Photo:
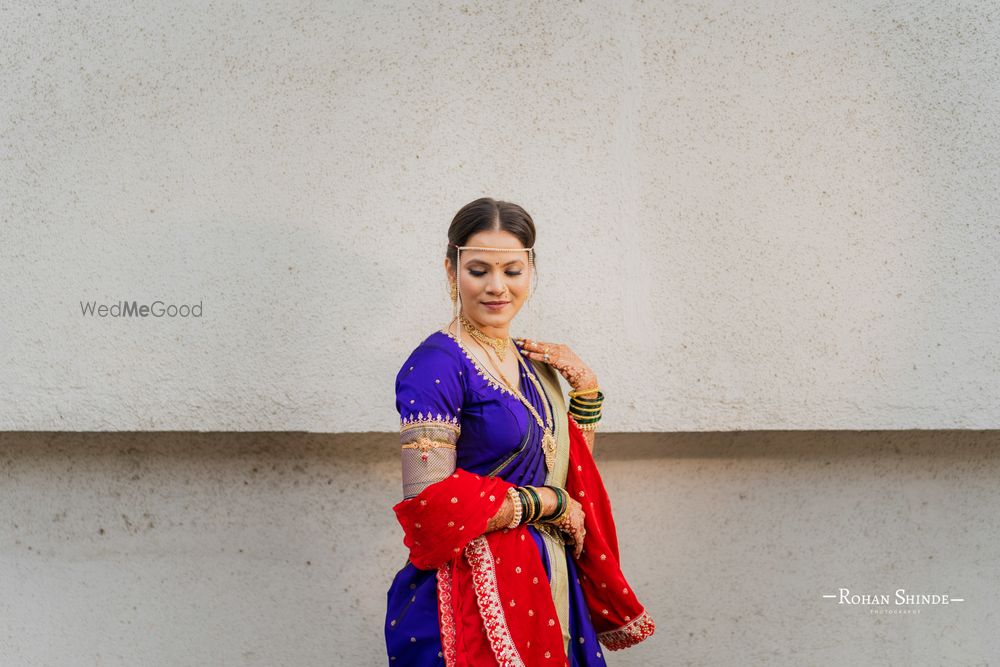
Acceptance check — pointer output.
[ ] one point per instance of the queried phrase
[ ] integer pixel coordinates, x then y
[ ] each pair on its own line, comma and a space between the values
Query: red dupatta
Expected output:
494, 605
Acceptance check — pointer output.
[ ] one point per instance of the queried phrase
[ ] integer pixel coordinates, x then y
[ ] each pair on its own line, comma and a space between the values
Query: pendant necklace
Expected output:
548, 438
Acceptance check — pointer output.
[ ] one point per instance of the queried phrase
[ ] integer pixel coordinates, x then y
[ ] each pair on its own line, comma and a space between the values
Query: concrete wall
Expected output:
265, 549
784, 215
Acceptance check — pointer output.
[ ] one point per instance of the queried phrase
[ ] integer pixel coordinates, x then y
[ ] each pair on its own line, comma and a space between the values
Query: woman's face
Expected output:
492, 277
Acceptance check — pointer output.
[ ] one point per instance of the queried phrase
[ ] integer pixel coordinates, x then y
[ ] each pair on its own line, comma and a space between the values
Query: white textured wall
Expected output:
782, 215
276, 550
751, 215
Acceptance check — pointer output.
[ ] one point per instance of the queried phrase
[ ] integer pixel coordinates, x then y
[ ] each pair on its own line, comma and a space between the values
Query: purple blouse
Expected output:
442, 382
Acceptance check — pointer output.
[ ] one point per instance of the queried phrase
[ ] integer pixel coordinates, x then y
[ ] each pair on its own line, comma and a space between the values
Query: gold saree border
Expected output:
552, 538
629, 634
446, 615
484, 578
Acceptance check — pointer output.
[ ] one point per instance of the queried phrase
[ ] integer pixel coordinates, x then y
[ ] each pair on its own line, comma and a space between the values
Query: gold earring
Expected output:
454, 293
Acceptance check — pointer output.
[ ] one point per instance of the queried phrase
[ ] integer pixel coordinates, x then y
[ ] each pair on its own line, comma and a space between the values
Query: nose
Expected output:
496, 285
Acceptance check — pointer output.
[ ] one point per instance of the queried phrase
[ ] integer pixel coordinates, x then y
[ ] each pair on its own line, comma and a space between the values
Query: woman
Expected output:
513, 557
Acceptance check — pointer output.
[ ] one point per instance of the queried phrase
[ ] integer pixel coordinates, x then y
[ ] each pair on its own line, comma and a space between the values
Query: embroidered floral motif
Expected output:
446, 422
490, 380
484, 578
629, 634
447, 616
428, 450
426, 444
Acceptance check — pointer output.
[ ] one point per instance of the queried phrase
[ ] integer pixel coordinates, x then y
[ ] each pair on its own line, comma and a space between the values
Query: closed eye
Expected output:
479, 274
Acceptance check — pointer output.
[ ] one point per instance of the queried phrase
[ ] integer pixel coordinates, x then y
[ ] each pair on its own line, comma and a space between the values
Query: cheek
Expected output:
470, 290
521, 287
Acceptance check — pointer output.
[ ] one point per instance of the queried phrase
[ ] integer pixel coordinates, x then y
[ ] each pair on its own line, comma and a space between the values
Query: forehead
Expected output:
494, 257
509, 248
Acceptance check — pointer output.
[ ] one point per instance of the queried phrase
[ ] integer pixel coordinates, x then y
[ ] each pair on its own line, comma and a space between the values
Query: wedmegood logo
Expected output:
134, 309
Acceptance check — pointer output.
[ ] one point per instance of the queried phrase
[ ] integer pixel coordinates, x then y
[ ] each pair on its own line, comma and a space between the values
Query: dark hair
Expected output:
485, 214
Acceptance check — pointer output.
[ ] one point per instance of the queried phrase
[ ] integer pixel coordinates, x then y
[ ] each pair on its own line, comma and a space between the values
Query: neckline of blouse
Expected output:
491, 379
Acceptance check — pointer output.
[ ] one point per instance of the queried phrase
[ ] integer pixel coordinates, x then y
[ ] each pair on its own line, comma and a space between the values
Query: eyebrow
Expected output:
482, 261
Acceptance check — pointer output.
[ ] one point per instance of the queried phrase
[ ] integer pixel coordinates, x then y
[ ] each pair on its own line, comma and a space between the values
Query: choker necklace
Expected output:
499, 345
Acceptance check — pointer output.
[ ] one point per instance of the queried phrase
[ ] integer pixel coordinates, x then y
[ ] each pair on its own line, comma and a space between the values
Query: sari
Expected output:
509, 597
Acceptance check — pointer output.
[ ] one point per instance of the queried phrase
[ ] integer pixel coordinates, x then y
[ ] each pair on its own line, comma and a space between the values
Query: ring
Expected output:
546, 357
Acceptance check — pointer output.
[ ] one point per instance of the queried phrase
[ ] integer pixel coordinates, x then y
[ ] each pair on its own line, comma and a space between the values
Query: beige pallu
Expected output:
551, 536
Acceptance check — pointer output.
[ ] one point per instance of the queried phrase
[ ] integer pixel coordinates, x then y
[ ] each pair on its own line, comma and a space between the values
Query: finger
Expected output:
535, 356
540, 356
533, 344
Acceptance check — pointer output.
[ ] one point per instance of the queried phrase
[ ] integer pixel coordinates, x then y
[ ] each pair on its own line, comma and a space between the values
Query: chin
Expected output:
490, 317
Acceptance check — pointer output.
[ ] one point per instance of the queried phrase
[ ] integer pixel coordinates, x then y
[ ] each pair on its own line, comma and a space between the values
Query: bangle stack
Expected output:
562, 506
528, 506
586, 412
532, 503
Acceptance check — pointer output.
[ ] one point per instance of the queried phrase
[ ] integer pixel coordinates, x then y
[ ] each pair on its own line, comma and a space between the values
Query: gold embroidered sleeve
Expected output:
430, 391
428, 450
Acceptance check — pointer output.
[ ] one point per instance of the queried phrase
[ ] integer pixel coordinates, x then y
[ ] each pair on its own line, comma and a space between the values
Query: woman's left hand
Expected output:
563, 359
574, 526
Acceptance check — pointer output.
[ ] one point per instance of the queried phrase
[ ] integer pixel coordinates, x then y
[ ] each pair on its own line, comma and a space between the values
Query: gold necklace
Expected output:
548, 437
499, 345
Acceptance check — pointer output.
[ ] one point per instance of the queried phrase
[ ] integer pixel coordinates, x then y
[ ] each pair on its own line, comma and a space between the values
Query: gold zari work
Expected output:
428, 451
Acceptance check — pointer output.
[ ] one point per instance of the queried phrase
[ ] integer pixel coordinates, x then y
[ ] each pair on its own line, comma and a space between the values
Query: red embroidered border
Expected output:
488, 596
630, 634
446, 615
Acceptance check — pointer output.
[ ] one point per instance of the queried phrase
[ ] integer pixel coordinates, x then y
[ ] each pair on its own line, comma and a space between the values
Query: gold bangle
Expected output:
579, 392
586, 427
516, 499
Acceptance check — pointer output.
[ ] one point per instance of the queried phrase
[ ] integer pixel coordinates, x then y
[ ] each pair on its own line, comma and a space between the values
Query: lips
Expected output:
495, 303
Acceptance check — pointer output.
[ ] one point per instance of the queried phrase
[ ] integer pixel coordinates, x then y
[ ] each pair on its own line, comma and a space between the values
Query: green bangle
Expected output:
541, 505
586, 404
583, 401
536, 512
586, 420
545, 517
564, 508
530, 506
524, 504
560, 504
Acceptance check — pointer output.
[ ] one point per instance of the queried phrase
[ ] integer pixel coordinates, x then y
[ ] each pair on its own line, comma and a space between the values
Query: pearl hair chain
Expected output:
458, 273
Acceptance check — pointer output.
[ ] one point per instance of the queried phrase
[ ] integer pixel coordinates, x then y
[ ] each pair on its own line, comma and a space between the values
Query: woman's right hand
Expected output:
572, 525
